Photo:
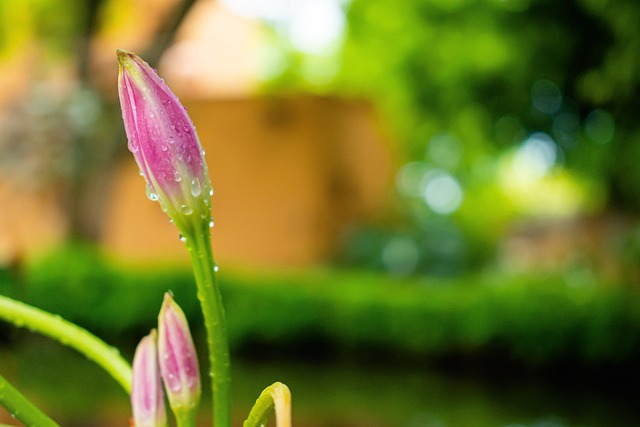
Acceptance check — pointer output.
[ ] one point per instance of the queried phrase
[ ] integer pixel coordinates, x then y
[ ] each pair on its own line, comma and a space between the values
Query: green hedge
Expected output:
528, 320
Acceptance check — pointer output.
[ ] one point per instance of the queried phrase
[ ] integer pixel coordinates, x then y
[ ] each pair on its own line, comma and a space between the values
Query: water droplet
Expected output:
152, 115
173, 126
177, 177
186, 129
140, 172
170, 139
182, 238
187, 210
151, 194
211, 192
216, 268
164, 148
211, 224
133, 147
196, 188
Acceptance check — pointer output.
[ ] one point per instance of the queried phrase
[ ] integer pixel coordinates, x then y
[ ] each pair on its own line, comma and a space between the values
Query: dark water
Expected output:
76, 393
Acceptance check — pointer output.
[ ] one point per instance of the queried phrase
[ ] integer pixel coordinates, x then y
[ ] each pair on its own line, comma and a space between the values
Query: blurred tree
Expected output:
488, 98
73, 130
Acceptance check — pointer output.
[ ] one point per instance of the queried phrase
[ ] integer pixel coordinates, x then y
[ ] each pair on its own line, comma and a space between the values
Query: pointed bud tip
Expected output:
168, 299
123, 55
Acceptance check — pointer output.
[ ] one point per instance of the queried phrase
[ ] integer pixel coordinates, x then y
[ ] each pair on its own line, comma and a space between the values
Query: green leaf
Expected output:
21, 407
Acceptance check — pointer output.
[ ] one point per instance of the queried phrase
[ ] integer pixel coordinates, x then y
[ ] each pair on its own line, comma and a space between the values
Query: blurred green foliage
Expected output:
461, 66
530, 321
524, 107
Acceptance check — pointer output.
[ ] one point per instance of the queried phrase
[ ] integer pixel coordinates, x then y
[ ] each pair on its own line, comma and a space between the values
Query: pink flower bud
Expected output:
163, 141
147, 397
178, 358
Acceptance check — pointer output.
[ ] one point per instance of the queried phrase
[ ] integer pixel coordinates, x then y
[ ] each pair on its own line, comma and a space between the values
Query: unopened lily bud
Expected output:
164, 143
178, 360
147, 397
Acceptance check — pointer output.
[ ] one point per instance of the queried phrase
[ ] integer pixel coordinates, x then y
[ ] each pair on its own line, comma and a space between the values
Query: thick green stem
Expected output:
21, 407
185, 418
69, 334
204, 268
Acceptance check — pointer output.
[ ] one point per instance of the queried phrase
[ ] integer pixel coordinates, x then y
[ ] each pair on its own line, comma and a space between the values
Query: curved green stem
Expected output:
277, 396
69, 334
22, 408
204, 268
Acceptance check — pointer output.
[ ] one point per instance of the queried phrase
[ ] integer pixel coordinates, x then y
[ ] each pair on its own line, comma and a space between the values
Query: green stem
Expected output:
21, 407
275, 397
69, 334
204, 268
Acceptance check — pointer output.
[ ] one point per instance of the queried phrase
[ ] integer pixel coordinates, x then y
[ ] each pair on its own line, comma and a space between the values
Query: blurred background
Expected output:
426, 210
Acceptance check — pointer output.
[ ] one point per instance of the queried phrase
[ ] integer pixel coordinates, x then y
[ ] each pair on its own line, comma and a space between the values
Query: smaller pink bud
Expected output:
178, 359
147, 397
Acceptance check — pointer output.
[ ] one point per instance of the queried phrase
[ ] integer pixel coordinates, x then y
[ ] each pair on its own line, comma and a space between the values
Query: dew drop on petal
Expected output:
133, 147
211, 224
216, 268
182, 238
164, 148
175, 386
196, 188
185, 209
151, 194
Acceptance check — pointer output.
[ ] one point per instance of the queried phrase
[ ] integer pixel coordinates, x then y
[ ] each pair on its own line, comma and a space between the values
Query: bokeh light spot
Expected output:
546, 97
445, 151
400, 255
599, 126
442, 192
535, 157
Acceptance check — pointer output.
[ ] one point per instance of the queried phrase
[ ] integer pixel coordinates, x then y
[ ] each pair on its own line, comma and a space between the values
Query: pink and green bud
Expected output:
147, 397
178, 360
164, 143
